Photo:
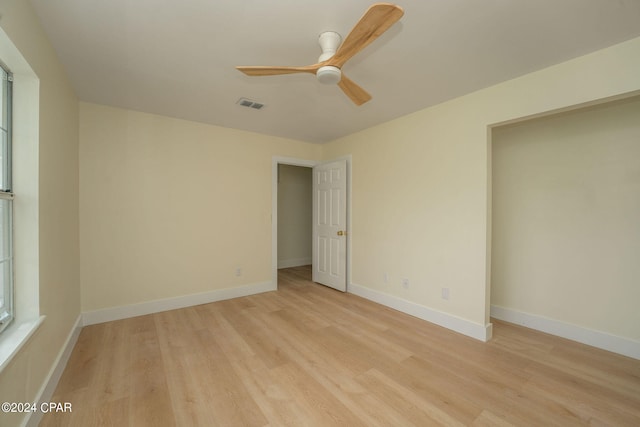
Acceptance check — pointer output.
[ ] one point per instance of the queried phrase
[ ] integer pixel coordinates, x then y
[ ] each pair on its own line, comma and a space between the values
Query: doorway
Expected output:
564, 232
276, 162
294, 215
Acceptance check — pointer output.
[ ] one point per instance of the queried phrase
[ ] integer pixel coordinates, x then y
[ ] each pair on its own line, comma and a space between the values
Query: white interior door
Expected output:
330, 224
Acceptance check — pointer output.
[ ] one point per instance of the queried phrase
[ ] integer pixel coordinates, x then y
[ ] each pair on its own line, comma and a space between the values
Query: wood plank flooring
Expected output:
307, 355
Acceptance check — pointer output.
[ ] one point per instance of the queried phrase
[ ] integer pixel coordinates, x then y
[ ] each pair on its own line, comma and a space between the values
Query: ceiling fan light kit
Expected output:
329, 75
375, 21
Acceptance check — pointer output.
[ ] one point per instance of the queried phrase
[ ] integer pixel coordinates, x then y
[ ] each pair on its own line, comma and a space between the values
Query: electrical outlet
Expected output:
405, 283
238, 272
386, 277
445, 293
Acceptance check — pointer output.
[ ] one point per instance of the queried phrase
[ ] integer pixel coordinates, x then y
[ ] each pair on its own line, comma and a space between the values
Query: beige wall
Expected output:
58, 229
421, 182
294, 216
566, 204
171, 208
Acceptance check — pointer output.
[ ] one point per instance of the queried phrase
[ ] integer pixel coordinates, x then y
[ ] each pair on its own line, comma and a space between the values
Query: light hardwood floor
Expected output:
309, 355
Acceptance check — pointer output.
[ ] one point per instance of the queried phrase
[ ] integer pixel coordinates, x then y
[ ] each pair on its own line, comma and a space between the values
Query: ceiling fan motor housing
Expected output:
329, 42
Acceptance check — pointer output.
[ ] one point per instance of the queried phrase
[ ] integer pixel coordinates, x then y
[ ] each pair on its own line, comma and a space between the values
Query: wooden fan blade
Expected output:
375, 21
274, 71
358, 95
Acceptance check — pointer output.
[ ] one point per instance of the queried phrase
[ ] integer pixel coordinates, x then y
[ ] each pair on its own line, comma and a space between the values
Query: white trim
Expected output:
296, 262
149, 307
25, 146
457, 324
602, 340
51, 382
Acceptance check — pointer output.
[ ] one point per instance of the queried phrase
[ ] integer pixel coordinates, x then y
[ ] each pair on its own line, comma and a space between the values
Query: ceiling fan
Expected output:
375, 21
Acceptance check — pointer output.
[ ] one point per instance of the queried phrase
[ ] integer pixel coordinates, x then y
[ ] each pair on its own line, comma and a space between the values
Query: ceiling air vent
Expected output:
250, 103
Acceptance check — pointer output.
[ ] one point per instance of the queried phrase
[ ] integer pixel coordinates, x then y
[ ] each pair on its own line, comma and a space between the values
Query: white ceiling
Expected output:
177, 58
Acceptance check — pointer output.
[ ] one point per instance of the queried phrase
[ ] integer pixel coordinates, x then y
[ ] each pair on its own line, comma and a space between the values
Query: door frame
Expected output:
279, 160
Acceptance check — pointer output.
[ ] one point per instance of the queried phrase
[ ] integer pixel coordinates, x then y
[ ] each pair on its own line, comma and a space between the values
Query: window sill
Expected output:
15, 337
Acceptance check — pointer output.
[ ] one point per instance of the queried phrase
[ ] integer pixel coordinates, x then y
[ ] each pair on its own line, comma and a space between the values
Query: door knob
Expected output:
342, 233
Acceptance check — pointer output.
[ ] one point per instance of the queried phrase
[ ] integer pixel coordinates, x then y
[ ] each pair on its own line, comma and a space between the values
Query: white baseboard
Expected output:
458, 324
616, 344
297, 262
156, 306
51, 382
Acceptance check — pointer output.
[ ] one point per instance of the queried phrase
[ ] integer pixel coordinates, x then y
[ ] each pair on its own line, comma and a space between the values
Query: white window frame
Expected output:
7, 313
25, 182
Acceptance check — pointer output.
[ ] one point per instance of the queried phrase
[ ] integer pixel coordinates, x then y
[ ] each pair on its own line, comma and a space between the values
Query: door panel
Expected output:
330, 224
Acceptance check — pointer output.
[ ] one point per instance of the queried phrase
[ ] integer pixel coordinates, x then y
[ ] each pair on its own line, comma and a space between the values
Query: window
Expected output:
6, 204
